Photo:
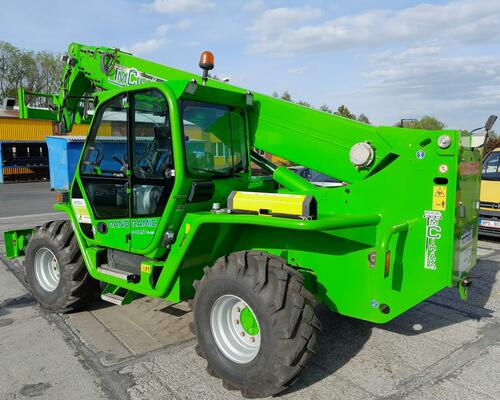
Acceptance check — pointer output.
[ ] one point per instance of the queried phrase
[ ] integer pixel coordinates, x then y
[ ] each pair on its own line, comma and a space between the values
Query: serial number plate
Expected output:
489, 223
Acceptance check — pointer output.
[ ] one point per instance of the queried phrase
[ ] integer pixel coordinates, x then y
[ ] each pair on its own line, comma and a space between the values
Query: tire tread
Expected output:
81, 288
291, 307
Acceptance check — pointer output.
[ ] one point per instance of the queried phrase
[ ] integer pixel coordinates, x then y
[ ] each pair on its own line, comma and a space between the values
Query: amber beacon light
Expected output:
206, 64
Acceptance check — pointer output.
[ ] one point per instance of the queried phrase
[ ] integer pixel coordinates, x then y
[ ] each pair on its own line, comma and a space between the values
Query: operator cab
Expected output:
138, 148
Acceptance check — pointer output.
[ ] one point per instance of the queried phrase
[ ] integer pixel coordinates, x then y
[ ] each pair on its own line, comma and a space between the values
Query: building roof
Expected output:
9, 113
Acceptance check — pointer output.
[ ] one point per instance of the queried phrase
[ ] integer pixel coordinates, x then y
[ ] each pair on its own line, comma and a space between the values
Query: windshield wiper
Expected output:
213, 171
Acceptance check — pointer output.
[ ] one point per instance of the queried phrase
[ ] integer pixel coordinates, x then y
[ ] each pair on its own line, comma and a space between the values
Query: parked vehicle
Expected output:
489, 213
317, 178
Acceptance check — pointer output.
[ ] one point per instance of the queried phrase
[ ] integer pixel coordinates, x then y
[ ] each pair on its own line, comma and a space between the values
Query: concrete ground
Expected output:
442, 349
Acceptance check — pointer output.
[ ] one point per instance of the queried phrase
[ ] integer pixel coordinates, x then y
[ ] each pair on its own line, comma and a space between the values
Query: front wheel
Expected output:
255, 323
55, 269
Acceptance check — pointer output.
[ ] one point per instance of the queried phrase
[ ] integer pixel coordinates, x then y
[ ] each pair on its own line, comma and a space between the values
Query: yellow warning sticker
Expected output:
146, 268
439, 198
81, 212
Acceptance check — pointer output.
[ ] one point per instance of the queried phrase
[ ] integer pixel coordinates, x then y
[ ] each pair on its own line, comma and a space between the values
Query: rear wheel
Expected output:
255, 323
55, 269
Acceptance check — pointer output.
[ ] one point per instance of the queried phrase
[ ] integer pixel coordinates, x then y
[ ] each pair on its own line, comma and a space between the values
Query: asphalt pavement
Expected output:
442, 349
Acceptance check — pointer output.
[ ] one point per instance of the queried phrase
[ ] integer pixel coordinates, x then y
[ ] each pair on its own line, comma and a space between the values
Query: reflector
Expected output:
387, 264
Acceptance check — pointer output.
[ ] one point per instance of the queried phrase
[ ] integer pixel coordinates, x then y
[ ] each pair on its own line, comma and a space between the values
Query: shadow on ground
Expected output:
343, 337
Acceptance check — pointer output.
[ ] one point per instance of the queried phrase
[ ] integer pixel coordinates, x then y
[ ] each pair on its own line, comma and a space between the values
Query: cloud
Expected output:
162, 30
147, 46
193, 43
178, 6
255, 5
159, 38
185, 24
425, 80
463, 21
277, 20
297, 71
427, 73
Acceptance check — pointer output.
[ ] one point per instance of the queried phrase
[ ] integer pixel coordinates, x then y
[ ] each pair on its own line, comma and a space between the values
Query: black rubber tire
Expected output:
283, 308
76, 287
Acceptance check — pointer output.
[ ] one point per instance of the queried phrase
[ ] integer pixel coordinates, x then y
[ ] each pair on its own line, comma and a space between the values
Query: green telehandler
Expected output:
163, 204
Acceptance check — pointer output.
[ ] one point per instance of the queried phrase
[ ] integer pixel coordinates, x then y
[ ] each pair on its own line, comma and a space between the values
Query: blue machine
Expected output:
64, 153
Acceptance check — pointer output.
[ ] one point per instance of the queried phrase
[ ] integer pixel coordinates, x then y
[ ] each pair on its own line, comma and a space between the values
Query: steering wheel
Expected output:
142, 171
121, 162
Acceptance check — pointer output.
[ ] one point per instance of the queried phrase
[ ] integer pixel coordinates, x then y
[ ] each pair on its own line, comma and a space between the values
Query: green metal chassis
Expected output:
382, 209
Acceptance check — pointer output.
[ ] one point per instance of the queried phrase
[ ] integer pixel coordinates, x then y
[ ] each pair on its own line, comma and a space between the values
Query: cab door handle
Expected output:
461, 210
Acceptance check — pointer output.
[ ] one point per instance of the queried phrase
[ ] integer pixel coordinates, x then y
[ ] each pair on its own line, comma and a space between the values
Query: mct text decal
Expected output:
432, 236
122, 76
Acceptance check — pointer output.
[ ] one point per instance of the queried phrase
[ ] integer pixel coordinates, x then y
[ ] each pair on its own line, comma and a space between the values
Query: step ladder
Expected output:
118, 273
117, 295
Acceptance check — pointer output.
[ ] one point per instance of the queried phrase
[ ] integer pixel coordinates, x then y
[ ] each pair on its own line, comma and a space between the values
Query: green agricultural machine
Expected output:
164, 204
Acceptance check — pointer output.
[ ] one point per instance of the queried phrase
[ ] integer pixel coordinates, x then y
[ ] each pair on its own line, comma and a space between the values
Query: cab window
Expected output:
106, 149
152, 153
214, 139
491, 167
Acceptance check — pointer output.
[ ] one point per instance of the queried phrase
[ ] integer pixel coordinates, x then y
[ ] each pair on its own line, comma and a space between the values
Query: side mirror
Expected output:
491, 121
479, 136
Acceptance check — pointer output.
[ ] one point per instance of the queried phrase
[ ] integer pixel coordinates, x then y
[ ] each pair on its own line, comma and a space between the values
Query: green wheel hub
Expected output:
248, 322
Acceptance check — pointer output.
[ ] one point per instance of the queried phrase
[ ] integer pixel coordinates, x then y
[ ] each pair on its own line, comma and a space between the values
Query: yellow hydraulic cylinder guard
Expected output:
272, 204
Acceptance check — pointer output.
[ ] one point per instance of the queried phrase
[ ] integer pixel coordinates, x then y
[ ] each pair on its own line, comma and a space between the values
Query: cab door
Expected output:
152, 168
104, 211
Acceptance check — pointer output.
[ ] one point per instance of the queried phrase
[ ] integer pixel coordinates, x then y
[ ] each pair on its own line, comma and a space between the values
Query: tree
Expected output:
304, 103
491, 144
275, 94
34, 71
363, 118
426, 122
214, 77
343, 111
286, 96
325, 108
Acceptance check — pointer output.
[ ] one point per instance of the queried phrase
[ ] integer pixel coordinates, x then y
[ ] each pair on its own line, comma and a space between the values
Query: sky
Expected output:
389, 59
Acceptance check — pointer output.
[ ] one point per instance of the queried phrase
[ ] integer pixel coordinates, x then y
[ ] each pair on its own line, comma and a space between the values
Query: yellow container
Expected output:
14, 129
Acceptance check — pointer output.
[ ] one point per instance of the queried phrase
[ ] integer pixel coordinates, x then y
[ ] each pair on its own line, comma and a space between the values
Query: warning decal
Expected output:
146, 268
439, 198
466, 259
81, 212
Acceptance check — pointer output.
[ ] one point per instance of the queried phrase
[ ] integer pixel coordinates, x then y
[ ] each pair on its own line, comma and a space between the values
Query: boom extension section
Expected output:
285, 129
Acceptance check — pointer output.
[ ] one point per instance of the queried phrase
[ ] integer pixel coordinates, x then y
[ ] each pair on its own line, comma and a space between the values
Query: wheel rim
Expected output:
47, 269
235, 329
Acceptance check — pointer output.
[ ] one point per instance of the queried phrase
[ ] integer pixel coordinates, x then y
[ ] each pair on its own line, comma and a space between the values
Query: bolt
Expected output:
238, 309
242, 333
252, 339
236, 321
